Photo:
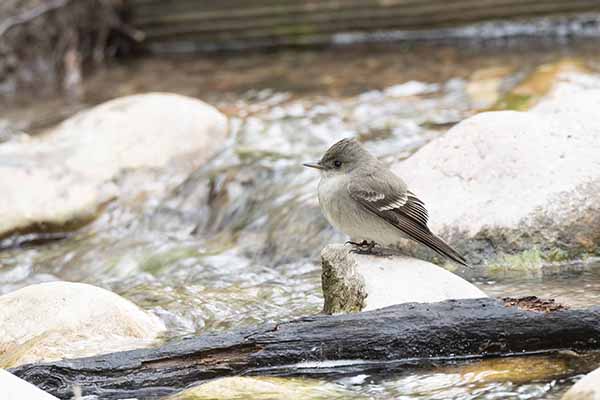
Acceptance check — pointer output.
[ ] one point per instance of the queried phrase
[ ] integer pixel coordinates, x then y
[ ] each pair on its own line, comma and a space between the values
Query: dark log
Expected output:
415, 333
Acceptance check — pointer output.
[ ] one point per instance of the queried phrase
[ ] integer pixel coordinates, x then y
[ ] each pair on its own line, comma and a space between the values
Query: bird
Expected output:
361, 197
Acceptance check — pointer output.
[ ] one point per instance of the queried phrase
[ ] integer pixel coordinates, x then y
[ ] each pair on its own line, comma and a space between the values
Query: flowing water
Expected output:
237, 243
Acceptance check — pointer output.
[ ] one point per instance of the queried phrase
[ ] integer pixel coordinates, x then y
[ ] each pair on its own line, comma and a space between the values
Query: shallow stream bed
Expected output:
238, 242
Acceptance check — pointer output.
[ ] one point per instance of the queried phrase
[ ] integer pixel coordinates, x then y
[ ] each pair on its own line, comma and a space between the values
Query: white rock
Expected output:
357, 282
587, 388
55, 320
517, 180
67, 174
13, 388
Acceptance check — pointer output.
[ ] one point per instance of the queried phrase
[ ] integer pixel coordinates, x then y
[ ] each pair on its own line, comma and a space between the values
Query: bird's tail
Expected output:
444, 249
427, 238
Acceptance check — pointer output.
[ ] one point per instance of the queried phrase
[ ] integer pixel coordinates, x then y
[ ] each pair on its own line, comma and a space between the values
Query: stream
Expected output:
237, 243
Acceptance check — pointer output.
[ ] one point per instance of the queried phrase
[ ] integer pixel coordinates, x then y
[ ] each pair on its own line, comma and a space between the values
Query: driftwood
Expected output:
235, 23
409, 333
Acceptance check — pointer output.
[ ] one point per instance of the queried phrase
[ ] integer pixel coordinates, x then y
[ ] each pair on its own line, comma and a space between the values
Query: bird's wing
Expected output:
387, 197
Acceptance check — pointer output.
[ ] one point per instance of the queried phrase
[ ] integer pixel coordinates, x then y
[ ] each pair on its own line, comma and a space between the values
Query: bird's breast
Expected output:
333, 194
349, 217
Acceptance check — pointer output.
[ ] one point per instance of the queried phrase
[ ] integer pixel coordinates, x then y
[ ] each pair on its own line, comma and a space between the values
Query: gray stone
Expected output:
357, 282
55, 320
502, 183
64, 177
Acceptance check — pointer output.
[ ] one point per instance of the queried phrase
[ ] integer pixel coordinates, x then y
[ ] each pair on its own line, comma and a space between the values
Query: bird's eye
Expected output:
337, 163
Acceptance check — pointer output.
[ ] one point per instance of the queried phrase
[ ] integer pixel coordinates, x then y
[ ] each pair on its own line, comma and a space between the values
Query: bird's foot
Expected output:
363, 247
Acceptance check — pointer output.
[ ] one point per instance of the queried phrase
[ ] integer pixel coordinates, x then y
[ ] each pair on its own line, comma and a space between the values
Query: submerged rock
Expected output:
263, 388
538, 84
484, 85
518, 370
356, 282
503, 183
14, 388
62, 179
588, 388
55, 320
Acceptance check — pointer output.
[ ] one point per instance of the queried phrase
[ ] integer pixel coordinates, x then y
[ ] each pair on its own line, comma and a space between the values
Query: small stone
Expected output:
358, 282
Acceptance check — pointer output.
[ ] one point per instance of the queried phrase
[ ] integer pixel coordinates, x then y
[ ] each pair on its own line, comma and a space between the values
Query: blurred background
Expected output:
234, 240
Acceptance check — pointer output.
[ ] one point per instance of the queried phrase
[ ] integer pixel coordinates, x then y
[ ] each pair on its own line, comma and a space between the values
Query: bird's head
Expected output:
343, 157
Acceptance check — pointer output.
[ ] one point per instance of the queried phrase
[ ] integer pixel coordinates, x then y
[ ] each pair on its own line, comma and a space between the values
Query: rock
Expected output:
55, 320
504, 183
356, 282
14, 388
587, 388
263, 388
62, 178
484, 85
518, 370
538, 84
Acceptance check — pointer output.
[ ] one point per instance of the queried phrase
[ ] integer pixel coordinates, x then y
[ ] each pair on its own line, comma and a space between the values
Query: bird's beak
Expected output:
313, 165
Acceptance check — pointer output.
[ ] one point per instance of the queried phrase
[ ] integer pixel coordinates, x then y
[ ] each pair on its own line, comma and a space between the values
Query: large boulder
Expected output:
505, 183
63, 177
55, 320
587, 388
359, 282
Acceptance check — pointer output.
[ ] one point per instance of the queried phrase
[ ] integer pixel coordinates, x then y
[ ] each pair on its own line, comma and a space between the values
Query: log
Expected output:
413, 333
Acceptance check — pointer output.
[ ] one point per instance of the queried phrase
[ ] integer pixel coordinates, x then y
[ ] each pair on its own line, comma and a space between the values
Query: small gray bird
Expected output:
361, 197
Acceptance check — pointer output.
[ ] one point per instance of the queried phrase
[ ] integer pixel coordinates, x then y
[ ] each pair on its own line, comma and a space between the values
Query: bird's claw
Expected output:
363, 247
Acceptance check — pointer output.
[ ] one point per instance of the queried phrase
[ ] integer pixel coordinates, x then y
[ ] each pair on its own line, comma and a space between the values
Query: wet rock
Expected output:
55, 320
63, 178
588, 388
518, 370
263, 388
356, 282
484, 86
538, 84
14, 388
504, 184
